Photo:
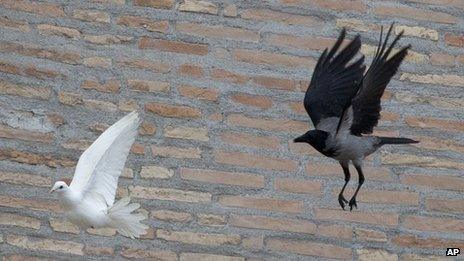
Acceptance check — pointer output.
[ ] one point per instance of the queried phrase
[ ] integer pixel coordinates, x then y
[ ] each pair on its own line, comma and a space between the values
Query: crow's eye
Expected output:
61, 186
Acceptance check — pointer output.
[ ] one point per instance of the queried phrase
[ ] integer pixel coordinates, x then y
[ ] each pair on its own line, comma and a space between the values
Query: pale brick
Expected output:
198, 238
172, 216
308, 248
25, 91
176, 152
222, 177
270, 204
212, 220
148, 86
48, 29
417, 31
208, 257
158, 172
198, 6
382, 219
261, 222
280, 17
25, 179
188, 133
443, 79
375, 255
231, 33
34, 243
420, 161
151, 254
7, 219
254, 161
169, 194
91, 16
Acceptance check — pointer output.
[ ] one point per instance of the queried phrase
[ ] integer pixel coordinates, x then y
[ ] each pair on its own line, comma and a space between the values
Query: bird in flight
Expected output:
344, 103
88, 200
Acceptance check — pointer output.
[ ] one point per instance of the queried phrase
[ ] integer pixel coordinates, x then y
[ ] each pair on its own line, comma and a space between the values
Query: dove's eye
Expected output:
61, 186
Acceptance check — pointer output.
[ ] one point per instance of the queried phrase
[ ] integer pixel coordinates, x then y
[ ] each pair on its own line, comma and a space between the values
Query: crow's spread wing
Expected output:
366, 104
334, 81
99, 167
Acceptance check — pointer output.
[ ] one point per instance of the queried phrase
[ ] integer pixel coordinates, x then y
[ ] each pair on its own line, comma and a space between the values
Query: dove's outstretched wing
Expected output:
99, 167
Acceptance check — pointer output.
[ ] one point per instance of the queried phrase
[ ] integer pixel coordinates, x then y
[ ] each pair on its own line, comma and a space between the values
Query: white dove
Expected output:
88, 200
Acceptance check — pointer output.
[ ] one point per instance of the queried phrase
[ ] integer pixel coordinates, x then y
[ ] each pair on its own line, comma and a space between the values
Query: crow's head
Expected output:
315, 138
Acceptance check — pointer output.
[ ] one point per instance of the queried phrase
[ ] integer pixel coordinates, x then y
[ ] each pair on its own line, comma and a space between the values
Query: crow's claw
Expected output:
352, 203
342, 201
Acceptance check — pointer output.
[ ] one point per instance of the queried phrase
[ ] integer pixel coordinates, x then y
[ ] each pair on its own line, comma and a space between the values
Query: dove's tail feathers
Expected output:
126, 223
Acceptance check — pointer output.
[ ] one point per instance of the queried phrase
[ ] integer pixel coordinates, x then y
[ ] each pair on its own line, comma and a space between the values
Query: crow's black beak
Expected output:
299, 139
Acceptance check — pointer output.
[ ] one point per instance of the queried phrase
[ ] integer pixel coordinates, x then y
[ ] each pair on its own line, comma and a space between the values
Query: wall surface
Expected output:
220, 85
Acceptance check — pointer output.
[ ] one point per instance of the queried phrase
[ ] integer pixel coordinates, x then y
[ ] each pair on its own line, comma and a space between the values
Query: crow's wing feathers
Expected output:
334, 82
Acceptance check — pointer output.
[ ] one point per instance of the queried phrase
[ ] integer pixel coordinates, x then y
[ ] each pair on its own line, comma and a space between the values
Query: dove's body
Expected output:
89, 199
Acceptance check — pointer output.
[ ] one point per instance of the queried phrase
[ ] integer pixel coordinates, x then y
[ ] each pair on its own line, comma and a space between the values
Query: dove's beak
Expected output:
51, 190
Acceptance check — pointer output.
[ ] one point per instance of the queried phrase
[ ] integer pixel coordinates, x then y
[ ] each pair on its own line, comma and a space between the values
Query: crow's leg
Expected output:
360, 182
346, 171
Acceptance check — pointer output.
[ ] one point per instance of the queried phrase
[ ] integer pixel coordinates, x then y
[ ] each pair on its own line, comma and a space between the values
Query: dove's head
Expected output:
60, 187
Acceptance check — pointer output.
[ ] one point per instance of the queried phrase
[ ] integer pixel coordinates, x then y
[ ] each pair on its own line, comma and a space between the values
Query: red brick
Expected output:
40, 73
273, 59
22, 26
48, 29
165, 4
9, 88
110, 85
438, 144
158, 67
29, 50
268, 124
21, 134
198, 238
34, 159
414, 13
270, 204
280, 17
243, 139
222, 177
259, 101
25, 179
303, 149
454, 40
91, 16
98, 251
148, 254
448, 125
382, 196
176, 152
455, 3
276, 83
223, 75
190, 69
444, 205
231, 33
261, 222
173, 46
305, 43
172, 111
308, 248
298, 186
382, 219
39, 205
433, 224
335, 170
144, 23
442, 59
436, 181
254, 161
199, 93
420, 242
34, 7
339, 5
198, 6
147, 86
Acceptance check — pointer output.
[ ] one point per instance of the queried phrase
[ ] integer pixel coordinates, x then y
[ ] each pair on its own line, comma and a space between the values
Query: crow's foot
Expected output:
353, 203
342, 201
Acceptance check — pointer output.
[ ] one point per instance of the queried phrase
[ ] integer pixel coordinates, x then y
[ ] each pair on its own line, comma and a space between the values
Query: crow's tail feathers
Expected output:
391, 140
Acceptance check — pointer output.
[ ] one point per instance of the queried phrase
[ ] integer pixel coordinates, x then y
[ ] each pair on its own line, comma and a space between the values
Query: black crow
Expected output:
344, 103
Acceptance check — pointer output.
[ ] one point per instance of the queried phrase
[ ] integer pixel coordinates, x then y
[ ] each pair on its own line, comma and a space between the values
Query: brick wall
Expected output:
220, 86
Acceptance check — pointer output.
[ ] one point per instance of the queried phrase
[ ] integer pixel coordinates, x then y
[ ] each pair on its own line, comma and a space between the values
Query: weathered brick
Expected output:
110, 85
370, 235
433, 224
444, 205
298, 186
356, 25
443, 79
198, 6
276, 83
417, 31
420, 161
454, 40
148, 86
91, 15
150, 172
429, 242
151, 254
8, 219
39, 205
268, 124
439, 182
448, 125
168, 215
254, 161
382, 219
25, 179
64, 226
198, 238
442, 59
19, 25
164, 4
98, 62
208, 257
20, 134
273, 59
279, 17
231, 33
200, 134
270, 204
212, 219
40, 8
106, 231
169, 194
172, 111
412, 56
259, 101
261, 222
100, 105
253, 242
98, 251
35, 51
199, 93
35, 159
147, 128
375, 254
107, 39
191, 70
48, 29
176, 152
158, 67
230, 11
414, 13
35, 243
244, 139
308, 248
223, 75
145, 23
334, 170
114, 2
76, 144
339, 5
305, 43
383, 196
128, 105
222, 177
439, 144
173, 46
